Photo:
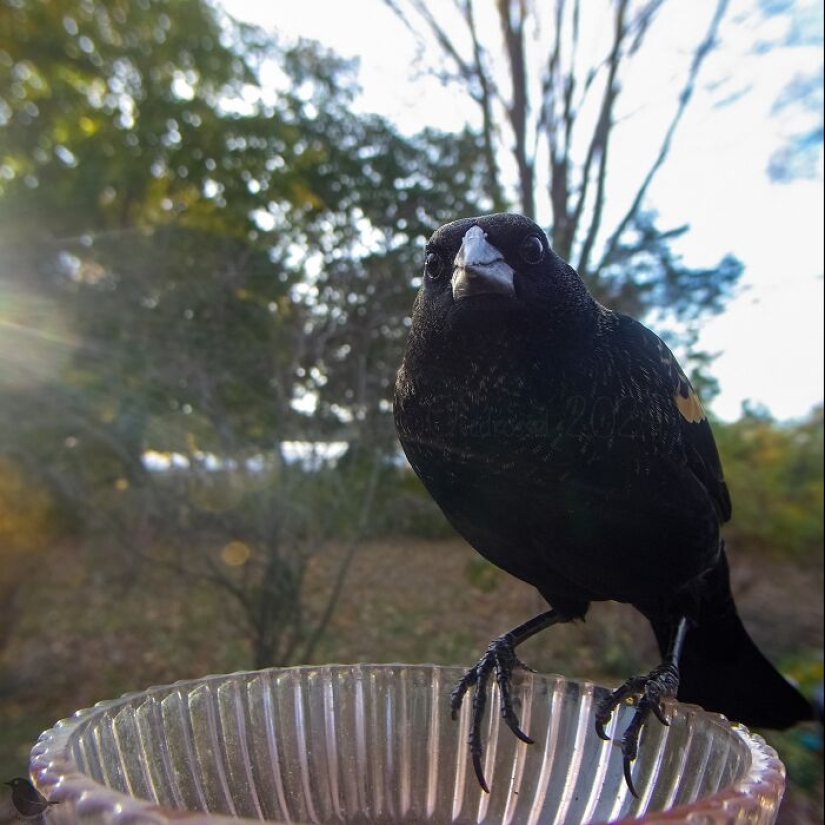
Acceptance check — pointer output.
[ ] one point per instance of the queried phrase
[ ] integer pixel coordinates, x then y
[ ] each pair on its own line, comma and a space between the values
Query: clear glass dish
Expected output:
376, 744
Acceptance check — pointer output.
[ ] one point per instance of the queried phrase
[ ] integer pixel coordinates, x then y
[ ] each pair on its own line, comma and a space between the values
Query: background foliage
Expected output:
205, 284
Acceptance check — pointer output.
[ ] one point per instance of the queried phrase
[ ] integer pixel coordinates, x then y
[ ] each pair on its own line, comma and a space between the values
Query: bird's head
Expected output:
17, 782
495, 267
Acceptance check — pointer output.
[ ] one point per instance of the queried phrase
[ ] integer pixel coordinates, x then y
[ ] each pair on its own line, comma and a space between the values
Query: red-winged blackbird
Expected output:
565, 444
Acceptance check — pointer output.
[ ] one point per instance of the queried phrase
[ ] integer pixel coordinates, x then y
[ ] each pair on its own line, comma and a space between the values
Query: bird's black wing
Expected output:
694, 427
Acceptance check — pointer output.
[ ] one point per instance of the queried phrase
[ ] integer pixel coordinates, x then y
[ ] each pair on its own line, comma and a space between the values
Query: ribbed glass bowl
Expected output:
375, 744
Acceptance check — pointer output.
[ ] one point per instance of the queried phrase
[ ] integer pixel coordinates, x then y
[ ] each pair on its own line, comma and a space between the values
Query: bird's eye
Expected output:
532, 249
433, 266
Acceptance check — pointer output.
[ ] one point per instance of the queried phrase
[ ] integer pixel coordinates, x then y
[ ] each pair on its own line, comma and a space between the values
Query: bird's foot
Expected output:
500, 657
661, 683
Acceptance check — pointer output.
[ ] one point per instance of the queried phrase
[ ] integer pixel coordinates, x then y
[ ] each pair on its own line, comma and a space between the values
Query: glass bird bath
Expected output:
376, 744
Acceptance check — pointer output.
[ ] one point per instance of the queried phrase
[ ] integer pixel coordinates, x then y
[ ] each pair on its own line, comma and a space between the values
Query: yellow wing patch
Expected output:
691, 407
684, 396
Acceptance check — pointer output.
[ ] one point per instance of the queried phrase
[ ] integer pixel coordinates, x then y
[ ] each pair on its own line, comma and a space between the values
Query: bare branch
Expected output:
642, 23
349, 555
570, 85
599, 144
559, 85
578, 151
703, 50
487, 91
519, 107
443, 40
396, 8
474, 73
218, 577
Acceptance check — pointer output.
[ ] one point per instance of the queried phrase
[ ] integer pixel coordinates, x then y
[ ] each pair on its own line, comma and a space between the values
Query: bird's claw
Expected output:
661, 683
500, 657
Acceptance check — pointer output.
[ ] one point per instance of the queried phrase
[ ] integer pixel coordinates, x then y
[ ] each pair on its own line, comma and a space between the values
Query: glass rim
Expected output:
57, 776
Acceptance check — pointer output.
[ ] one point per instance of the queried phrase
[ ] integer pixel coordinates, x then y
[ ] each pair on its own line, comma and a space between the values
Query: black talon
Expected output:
660, 714
627, 776
661, 683
500, 657
457, 696
519, 733
480, 773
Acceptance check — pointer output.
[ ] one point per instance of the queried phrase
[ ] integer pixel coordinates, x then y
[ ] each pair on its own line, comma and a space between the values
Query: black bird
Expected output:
27, 800
565, 444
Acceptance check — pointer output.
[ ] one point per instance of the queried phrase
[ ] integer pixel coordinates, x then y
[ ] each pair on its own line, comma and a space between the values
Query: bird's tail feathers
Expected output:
722, 670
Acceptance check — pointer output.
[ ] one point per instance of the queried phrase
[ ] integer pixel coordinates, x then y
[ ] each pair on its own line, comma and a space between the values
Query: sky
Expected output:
769, 339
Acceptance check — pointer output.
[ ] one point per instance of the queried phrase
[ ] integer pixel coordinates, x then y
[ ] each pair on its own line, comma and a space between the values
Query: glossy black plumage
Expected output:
566, 445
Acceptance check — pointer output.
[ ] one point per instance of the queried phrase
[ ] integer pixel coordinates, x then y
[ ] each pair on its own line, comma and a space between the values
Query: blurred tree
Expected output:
774, 472
27, 523
362, 299
185, 250
550, 100
137, 154
800, 104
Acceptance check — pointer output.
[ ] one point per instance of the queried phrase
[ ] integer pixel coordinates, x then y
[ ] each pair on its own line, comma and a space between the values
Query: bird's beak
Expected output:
480, 269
